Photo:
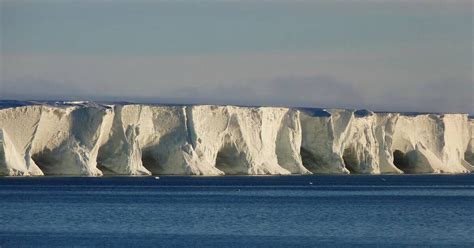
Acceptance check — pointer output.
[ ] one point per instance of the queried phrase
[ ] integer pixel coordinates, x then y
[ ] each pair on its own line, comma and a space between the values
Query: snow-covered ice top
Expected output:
92, 139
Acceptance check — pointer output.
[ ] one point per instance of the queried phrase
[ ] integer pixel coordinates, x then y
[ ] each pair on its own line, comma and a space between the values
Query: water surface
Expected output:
241, 211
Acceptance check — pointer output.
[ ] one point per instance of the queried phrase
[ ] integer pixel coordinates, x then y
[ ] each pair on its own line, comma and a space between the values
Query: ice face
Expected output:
89, 139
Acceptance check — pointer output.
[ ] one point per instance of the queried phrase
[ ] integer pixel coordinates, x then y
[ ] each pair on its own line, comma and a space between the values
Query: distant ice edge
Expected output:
89, 139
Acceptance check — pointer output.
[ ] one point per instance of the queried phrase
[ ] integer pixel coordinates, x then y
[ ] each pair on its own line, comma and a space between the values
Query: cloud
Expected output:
41, 90
381, 80
318, 90
446, 95
443, 95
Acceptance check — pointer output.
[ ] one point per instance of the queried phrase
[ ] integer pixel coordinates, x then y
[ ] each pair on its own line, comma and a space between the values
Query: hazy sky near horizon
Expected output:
384, 55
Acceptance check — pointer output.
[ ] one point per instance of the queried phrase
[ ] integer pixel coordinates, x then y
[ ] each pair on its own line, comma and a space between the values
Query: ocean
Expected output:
238, 211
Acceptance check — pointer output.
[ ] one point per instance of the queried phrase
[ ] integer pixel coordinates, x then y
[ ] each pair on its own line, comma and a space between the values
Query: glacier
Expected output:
95, 139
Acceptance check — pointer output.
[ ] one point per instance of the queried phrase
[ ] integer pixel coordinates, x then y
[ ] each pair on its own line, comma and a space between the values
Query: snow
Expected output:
91, 139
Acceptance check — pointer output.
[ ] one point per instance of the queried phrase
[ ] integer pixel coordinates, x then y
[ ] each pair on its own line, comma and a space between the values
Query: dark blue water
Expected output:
284, 211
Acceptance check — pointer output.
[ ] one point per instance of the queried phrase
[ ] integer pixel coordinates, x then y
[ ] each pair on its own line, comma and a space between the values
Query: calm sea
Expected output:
241, 211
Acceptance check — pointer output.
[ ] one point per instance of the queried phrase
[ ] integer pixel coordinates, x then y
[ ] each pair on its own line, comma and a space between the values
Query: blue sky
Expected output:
378, 54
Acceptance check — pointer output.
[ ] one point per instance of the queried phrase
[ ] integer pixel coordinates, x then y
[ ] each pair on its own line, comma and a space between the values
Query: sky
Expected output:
384, 55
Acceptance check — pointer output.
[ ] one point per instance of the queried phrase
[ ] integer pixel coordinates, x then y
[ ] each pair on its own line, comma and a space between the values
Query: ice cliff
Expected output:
90, 139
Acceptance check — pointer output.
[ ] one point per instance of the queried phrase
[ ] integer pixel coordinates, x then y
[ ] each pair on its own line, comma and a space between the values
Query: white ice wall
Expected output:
132, 139
120, 153
469, 154
19, 126
432, 143
238, 140
67, 140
